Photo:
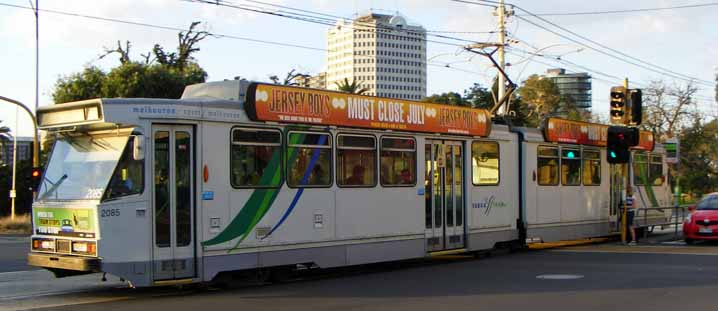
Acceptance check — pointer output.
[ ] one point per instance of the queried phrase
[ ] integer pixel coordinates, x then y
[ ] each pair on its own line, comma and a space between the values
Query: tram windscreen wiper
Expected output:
54, 187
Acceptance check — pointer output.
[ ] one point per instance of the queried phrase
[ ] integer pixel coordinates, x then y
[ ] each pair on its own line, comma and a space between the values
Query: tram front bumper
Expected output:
64, 262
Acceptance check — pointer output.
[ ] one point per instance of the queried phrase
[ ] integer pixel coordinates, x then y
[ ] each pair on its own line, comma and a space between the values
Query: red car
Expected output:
702, 222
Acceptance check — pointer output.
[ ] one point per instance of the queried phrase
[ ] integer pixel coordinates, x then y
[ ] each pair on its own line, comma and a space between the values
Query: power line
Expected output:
215, 35
615, 81
142, 24
342, 17
647, 66
326, 22
629, 10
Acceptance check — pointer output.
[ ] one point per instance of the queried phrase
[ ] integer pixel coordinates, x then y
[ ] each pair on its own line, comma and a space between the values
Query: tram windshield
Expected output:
81, 166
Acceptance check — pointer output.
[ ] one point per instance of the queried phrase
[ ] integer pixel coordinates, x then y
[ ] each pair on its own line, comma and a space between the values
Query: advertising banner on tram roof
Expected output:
268, 102
558, 130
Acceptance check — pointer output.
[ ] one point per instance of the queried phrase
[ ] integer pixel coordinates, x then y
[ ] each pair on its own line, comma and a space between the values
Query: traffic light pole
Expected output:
35, 151
626, 181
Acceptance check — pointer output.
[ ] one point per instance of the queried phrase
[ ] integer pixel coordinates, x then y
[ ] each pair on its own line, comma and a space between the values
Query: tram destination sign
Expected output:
278, 103
559, 130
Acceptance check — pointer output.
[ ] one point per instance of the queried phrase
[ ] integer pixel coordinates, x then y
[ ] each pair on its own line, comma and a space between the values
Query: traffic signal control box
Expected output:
620, 140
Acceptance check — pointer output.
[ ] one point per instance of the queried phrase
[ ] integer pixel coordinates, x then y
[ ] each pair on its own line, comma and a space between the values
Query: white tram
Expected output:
240, 176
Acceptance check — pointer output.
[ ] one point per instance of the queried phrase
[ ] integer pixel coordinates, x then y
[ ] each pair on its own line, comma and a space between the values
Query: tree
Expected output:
290, 79
478, 96
699, 158
160, 75
668, 109
542, 99
450, 98
353, 88
4, 132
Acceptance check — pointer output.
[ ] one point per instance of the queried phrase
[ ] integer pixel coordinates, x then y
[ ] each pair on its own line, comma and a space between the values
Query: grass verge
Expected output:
20, 225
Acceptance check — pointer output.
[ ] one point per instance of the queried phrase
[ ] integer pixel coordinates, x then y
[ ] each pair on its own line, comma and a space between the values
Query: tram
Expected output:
238, 175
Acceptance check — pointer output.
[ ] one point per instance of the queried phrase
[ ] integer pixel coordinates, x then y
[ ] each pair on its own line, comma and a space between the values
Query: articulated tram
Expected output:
240, 176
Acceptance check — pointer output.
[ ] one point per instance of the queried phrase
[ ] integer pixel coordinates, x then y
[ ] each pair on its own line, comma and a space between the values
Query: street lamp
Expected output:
35, 151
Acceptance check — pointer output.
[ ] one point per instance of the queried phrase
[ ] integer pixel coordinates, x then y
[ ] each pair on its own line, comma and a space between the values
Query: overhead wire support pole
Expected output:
501, 11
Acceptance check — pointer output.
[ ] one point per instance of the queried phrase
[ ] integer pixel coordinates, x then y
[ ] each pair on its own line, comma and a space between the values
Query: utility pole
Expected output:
502, 14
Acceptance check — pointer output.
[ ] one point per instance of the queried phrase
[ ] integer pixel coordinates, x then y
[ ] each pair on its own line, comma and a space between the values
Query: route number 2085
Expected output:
110, 212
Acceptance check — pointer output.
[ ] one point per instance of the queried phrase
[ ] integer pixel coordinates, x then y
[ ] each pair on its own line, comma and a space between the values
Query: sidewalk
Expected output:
659, 236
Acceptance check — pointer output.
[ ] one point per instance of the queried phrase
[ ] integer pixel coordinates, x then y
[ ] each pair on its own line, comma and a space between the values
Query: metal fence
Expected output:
650, 217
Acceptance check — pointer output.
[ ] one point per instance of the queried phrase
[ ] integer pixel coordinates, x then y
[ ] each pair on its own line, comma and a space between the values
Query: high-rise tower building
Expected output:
382, 52
572, 86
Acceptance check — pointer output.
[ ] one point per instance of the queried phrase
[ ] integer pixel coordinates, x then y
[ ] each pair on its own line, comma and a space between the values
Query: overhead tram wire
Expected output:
614, 80
155, 26
689, 6
215, 35
324, 21
342, 17
568, 63
647, 66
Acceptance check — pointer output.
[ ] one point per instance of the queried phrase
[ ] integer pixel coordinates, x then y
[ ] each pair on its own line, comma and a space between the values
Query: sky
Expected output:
684, 41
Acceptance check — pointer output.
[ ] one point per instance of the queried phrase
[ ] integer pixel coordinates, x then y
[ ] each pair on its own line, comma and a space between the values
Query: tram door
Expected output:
173, 202
444, 197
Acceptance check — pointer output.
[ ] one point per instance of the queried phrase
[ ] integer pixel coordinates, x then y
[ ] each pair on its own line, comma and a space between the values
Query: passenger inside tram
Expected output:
357, 177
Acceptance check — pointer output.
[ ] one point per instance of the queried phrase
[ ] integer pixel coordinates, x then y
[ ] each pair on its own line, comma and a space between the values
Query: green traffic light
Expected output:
613, 154
570, 155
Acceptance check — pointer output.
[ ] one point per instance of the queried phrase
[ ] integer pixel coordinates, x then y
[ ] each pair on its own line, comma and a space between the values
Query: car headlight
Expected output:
688, 218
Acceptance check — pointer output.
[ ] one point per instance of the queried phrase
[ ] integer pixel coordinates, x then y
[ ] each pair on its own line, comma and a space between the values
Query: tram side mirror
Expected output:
138, 148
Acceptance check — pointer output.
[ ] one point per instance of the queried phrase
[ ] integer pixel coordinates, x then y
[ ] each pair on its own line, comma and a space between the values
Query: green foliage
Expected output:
78, 86
476, 96
165, 76
450, 98
542, 99
354, 87
699, 158
23, 201
4, 133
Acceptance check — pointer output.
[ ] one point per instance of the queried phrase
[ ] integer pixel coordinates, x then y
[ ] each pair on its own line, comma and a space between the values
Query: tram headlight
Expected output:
83, 247
43, 245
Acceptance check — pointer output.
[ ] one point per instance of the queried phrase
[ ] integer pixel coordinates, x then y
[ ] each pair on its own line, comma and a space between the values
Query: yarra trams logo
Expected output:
488, 204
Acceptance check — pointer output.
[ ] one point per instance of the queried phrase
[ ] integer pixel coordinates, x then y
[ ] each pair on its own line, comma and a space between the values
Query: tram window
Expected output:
128, 178
656, 170
570, 167
398, 162
256, 158
485, 163
309, 160
640, 168
356, 161
591, 167
547, 166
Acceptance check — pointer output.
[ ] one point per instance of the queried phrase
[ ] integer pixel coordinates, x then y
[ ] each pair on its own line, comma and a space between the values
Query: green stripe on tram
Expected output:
259, 201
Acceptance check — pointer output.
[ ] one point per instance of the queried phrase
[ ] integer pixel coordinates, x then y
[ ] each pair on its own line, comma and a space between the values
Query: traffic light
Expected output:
636, 106
620, 140
618, 105
35, 178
